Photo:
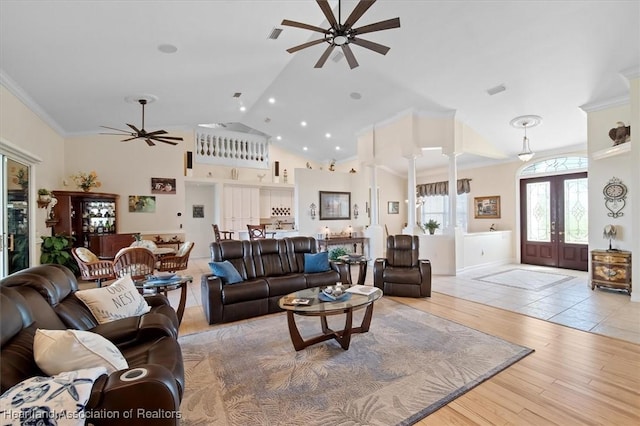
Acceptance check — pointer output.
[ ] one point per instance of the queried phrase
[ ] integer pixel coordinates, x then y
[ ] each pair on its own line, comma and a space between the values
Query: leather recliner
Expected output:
401, 273
146, 342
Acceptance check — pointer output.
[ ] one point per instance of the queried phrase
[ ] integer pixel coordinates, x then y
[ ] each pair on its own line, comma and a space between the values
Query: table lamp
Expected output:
610, 232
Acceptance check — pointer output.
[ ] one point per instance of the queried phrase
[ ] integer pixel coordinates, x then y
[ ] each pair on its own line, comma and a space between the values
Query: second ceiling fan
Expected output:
149, 137
343, 34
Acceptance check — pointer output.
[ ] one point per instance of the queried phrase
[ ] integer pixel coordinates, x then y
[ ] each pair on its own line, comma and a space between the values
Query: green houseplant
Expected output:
57, 249
431, 226
336, 253
44, 194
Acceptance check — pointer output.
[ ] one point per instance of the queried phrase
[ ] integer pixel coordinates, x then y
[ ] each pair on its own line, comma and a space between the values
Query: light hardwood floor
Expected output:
573, 377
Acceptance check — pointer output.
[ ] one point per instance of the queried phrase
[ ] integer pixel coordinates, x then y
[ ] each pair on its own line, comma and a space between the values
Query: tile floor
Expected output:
571, 303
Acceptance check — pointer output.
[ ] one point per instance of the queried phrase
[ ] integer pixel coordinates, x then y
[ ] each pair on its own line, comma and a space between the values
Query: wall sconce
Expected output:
312, 211
356, 212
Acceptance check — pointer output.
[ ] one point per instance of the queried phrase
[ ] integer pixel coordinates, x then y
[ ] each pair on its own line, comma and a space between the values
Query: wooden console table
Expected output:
324, 244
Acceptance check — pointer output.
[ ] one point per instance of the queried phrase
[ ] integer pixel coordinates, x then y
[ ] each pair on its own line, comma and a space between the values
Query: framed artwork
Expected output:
487, 207
142, 204
335, 205
198, 211
393, 207
163, 186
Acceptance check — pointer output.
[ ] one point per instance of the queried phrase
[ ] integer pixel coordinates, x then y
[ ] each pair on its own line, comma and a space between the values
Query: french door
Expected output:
554, 221
14, 215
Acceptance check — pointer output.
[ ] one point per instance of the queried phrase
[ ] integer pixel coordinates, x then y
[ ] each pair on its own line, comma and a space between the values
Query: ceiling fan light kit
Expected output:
524, 122
343, 34
149, 137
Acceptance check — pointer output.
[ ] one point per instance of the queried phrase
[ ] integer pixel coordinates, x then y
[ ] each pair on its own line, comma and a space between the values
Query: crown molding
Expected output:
631, 73
28, 101
605, 104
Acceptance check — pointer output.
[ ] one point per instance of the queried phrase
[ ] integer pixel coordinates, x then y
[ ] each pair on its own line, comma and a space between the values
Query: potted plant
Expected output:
431, 226
57, 249
337, 253
44, 195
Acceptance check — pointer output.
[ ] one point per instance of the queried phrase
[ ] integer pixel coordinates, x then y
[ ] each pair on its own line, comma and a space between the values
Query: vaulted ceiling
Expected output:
77, 61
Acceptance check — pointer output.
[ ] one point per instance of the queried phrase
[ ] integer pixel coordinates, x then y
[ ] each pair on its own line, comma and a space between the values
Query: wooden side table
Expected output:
611, 268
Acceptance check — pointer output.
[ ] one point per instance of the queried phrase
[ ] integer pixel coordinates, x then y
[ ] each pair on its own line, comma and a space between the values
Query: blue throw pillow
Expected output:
316, 262
226, 271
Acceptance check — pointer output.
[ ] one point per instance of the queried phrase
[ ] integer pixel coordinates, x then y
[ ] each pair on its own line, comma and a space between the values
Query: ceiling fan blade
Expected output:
371, 45
305, 45
324, 56
135, 129
149, 142
328, 13
378, 26
113, 128
351, 60
303, 26
117, 134
130, 139
157, 132
175, 138
359, 10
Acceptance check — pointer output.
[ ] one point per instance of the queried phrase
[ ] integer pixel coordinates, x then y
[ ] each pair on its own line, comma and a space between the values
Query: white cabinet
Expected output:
241, 207
265, 203
281, 202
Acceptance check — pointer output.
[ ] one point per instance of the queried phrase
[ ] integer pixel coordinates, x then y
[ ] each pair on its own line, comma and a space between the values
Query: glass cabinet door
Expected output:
15, 221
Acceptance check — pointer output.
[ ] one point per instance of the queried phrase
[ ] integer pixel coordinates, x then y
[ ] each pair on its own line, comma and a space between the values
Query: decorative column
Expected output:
412, 226
374, 231
453, 192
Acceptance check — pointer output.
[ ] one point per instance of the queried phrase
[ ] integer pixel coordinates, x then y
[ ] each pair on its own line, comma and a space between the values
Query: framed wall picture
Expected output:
335, 205
142, 204
393, 207
487, 207
198, 211
163, 186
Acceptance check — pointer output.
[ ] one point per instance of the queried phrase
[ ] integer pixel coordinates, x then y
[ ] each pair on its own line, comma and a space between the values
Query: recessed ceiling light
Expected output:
303, 123
327, 135
304, 148
279, 137
167, 48
355, 95
272, 100
337, 148
243, 108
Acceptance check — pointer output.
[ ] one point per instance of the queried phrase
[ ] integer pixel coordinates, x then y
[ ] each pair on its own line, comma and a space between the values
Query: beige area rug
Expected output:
407, 366
525, 279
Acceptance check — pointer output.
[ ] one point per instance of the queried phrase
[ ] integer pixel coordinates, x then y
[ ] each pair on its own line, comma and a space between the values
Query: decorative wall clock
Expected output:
615, 197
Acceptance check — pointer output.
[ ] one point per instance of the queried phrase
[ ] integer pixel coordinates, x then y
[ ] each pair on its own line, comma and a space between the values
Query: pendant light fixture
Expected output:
524, 122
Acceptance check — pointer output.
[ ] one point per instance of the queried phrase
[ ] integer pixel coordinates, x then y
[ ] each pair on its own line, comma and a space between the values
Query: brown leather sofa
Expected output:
43, 297
401, 273
270, 269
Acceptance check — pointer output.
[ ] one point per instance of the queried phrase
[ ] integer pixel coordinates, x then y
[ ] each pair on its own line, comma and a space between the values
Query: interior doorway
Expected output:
554, 221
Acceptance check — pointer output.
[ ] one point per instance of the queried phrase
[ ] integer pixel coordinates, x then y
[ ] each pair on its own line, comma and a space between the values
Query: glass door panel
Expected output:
538, 212
16, 192
576, 213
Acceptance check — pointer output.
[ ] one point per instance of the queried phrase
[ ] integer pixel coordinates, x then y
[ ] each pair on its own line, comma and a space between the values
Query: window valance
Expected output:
442, 188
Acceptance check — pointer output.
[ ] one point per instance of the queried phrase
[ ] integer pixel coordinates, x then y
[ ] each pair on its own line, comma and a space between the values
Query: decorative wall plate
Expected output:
615, 197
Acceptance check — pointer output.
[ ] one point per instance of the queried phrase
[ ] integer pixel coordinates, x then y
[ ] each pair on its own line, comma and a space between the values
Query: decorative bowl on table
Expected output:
355, 256
333, 294
163, 275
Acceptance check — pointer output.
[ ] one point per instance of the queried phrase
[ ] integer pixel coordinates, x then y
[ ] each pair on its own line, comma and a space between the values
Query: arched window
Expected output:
558, 165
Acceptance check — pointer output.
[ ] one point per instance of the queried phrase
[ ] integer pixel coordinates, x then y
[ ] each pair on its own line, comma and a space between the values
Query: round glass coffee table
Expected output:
163, 285
307, 303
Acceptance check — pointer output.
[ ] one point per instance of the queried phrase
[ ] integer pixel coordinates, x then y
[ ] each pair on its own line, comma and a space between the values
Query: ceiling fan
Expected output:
343, 34
149, 137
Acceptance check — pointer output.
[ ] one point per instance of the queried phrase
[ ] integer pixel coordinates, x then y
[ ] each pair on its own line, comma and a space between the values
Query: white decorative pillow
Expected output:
86, 255
116, 301
58, 400
56, 351
50, 400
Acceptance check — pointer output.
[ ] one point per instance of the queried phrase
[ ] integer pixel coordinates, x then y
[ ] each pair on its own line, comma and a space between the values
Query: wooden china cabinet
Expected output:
90, 217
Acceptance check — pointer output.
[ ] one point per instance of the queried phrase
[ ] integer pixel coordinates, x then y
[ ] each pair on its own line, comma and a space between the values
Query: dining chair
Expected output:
257, 232
91, 267
139, 262
177, 262
221, 235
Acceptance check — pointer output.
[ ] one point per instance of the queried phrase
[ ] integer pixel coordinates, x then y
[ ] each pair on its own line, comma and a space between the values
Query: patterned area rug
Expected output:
407, 366
526, 279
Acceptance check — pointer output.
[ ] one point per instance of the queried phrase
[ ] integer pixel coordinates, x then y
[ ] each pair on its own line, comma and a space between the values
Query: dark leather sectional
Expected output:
43, 297
270, 268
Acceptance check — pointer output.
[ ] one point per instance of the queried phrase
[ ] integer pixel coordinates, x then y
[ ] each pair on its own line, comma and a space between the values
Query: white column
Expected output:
412, 227
453, 192
374, 231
